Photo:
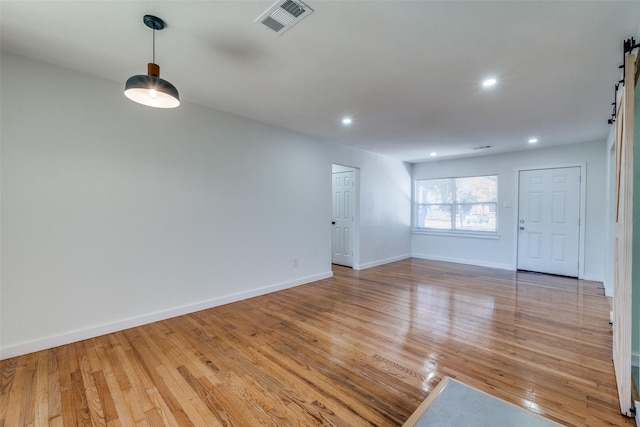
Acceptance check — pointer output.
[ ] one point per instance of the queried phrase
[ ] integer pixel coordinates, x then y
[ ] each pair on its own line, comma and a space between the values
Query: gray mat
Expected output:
458, 405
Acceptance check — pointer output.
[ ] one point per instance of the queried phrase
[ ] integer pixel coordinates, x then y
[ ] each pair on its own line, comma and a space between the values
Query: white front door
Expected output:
549, 221
343, 217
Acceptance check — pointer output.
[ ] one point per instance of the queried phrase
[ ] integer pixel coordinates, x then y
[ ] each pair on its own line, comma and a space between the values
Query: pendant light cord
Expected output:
154, 46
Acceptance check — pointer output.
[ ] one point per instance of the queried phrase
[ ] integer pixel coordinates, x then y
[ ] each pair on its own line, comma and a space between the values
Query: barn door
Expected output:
622, 283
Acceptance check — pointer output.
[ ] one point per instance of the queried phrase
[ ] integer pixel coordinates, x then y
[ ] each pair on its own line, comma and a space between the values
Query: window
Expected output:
457, 204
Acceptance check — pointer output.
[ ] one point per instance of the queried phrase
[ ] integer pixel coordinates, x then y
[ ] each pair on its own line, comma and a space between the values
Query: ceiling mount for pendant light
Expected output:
149, 89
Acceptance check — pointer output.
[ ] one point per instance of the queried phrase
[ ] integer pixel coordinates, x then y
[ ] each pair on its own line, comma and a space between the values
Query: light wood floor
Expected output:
362, 348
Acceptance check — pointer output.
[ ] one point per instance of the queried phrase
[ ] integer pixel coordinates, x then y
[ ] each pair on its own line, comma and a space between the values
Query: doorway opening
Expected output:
345, 194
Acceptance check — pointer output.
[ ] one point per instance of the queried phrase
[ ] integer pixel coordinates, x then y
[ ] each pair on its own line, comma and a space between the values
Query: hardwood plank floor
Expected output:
362, 348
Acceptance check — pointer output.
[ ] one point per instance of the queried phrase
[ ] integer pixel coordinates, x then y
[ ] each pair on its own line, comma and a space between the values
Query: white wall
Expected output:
115, 214
500, 253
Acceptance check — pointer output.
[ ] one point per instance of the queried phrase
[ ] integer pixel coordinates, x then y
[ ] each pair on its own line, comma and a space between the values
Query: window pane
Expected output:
477, 217
437, 216
434, 191
477, 189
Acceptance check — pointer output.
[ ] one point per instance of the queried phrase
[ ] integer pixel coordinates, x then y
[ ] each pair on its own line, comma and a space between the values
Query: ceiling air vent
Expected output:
284, 15
482, 147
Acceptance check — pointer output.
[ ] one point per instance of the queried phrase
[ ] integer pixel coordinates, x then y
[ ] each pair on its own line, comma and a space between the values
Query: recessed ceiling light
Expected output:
533, 140
433, 154
347, 121
489, 82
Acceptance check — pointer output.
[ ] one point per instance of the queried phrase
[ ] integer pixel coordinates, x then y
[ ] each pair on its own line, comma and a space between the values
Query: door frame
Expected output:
355, 234
583, 205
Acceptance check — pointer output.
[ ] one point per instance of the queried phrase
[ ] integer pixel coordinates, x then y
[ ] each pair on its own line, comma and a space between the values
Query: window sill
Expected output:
469, 234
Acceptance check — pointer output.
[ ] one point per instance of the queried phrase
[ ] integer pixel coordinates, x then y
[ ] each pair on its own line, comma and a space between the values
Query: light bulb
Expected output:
489, 82
153, 94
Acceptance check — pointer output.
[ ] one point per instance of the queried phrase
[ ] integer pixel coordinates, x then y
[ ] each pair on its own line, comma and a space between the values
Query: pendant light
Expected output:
149, 89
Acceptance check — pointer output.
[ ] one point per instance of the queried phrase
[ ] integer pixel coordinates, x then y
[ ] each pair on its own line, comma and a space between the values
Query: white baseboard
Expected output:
95, 331
498, 265
380, 262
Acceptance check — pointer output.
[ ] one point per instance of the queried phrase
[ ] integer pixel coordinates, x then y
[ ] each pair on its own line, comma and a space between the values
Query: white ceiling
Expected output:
408, 72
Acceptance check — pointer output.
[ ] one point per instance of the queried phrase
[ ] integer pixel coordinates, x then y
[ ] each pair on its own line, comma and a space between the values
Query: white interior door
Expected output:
549, 221
343, 217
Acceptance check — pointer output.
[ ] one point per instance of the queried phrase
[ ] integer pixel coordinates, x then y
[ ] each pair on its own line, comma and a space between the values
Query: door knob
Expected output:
521, 228
333, 223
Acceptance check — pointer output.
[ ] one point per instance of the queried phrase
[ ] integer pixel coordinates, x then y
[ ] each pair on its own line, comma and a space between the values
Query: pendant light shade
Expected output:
150, 89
